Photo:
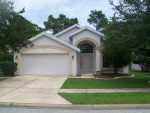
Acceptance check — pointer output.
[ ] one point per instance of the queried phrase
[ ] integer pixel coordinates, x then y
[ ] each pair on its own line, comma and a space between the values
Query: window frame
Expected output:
104, 61
86, 48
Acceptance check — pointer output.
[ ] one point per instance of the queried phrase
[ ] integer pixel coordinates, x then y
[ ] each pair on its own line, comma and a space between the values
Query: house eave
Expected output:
86, 28
76, 25
56, 39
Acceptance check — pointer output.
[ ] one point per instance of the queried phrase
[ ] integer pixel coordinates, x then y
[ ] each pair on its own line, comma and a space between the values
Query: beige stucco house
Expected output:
72, 51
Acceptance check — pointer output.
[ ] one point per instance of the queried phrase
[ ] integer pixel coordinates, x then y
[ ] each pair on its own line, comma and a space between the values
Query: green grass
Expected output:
107, 98
140, 80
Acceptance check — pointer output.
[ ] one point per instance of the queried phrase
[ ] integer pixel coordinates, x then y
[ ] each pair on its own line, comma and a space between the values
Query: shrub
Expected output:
6, 57
8, 68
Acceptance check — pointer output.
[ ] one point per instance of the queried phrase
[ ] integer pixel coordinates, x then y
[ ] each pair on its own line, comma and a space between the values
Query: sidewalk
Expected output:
104, 90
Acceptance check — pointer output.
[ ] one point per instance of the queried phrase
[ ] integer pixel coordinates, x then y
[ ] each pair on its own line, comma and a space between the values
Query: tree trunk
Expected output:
115, 69
147, 67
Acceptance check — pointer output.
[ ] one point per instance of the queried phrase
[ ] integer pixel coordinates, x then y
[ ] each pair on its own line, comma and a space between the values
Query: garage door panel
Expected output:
46, 64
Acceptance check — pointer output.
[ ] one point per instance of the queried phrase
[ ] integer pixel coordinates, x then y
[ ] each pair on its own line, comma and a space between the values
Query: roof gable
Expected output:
86, 28
56, 39
69, 28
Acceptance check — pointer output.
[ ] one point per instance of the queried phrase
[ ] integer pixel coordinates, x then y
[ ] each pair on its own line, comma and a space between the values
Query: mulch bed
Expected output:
110, 75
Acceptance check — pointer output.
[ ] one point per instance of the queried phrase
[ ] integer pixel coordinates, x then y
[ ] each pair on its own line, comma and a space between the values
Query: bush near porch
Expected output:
140, 80
8, 68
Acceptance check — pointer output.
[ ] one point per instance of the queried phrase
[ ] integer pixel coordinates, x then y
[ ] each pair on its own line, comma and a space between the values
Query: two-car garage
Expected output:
45, 64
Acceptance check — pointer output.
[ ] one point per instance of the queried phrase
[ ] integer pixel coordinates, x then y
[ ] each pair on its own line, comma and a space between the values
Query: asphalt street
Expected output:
55, 110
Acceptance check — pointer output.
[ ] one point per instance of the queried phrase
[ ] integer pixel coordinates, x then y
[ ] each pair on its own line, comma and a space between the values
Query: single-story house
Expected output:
135, 67
72, 51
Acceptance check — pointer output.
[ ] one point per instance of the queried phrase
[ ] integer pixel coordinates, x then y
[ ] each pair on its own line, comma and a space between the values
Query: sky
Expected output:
37, 11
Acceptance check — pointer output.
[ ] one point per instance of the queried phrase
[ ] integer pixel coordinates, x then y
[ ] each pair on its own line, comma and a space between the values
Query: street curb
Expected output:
78, 107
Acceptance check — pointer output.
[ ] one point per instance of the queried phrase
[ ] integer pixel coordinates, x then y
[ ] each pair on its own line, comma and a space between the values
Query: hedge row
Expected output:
8, 68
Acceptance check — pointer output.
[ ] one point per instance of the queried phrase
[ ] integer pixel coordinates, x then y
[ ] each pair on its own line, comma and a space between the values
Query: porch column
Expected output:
98, 57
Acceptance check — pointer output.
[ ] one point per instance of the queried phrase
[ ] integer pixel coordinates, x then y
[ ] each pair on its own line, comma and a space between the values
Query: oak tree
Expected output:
136, 15
15, 30
98, 20
58, 24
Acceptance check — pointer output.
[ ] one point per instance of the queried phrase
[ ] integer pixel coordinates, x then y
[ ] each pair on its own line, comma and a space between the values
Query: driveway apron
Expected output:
32, 89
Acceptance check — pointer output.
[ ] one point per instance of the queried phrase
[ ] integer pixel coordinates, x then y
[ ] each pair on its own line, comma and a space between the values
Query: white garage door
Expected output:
45, 64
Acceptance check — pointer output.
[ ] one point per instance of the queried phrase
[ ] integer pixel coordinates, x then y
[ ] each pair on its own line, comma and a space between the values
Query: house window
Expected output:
105, 63
86, 48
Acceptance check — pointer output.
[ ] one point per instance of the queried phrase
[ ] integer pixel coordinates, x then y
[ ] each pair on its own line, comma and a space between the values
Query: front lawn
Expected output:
107, 98
140, 80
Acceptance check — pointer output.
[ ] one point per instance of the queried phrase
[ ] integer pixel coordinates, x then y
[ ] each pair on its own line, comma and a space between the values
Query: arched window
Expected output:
86, 48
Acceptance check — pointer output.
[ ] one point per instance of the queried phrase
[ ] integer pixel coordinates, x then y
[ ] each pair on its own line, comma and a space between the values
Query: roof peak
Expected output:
86, 27
67, 29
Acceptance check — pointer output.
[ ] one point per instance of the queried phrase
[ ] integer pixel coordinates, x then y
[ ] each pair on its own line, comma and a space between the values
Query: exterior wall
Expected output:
74, 64
65, 36
44, 50
102, 42
46, 45
15, 57
44, 40
16, 61
135, 67
86, 34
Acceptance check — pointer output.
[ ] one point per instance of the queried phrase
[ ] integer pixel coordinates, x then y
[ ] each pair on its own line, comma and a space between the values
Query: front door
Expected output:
86, 58
86, 63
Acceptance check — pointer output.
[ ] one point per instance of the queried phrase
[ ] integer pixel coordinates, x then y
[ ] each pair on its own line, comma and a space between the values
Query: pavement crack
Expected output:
22, 85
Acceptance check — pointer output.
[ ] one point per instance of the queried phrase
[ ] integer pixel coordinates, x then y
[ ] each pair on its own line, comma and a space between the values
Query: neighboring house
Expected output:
135, 67
72, 51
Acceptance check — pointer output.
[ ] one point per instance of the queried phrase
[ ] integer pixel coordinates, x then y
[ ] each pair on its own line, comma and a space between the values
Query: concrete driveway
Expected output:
32, 90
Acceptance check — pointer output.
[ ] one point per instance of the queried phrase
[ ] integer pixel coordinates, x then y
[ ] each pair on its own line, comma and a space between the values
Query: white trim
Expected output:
56, 39
84, 28
76, 25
